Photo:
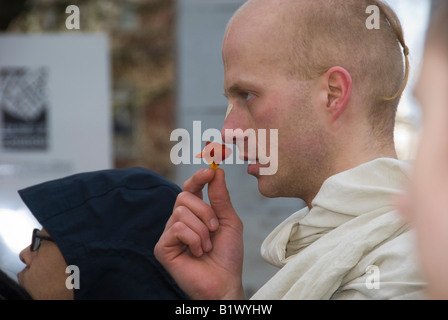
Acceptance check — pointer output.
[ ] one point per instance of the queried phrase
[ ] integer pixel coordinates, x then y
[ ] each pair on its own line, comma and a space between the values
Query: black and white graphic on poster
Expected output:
24, 108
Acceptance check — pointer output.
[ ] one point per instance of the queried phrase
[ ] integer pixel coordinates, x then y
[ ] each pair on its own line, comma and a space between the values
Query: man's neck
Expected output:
347, 162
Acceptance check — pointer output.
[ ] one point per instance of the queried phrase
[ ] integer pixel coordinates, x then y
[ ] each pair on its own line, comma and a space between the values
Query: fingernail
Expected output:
214, 223
208, 245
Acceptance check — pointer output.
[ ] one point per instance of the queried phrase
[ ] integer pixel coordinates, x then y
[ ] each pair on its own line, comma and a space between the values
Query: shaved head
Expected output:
315, 72
308, 37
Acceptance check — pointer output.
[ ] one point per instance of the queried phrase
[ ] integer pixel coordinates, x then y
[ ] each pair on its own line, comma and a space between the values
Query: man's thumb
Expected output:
219, 197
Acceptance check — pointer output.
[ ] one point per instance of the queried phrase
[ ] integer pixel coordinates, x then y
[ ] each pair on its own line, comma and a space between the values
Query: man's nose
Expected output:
226, 136
233, 125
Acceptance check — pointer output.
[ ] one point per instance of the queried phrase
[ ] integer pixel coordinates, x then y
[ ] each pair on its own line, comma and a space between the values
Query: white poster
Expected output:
55, 120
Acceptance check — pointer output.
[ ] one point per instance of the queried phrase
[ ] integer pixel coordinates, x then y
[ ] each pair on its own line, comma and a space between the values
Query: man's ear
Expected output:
338, 85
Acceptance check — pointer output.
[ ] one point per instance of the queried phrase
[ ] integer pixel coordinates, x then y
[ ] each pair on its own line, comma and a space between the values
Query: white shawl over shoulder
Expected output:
352, 244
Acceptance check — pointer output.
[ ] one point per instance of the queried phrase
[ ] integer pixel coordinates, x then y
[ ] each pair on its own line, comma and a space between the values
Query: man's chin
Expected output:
253, 169
266, 188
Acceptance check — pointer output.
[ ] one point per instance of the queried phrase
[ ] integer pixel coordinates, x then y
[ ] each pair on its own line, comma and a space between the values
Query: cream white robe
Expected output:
352, 244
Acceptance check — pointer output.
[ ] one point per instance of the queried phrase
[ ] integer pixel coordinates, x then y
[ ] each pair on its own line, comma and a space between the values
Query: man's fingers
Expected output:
220, 199
188, 218
192, 222
175, 241
198, 181
199, 207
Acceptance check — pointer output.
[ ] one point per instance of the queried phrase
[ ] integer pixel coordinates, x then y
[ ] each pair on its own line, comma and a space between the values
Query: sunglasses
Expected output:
37, 239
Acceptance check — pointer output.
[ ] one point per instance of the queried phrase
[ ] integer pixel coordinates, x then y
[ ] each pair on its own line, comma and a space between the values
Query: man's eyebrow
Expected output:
235, 89
232, 91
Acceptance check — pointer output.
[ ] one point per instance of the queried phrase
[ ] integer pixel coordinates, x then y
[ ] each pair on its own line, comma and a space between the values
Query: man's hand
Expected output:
202, 245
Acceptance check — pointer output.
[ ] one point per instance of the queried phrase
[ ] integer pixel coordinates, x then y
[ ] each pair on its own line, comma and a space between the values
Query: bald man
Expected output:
313, 71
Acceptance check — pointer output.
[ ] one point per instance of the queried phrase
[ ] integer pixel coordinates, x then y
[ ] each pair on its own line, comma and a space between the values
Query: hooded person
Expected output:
98, 236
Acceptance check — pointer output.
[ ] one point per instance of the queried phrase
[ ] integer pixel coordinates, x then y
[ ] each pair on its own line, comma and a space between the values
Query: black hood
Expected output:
107, 224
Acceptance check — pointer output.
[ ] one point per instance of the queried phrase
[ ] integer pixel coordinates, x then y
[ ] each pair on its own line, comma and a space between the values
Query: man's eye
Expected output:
248, 96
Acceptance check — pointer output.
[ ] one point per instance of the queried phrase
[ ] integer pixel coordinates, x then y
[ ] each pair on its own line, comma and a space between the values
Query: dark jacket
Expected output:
107, 224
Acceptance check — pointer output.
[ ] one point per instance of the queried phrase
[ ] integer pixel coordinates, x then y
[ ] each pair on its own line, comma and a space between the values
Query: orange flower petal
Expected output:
214, 153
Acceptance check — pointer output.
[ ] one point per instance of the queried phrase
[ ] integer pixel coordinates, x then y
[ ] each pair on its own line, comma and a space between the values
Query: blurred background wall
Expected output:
142, 62
166, 72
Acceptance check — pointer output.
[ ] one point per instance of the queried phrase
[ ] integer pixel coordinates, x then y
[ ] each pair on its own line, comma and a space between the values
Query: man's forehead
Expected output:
255, 15
261, 24
256, 44
251, 38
